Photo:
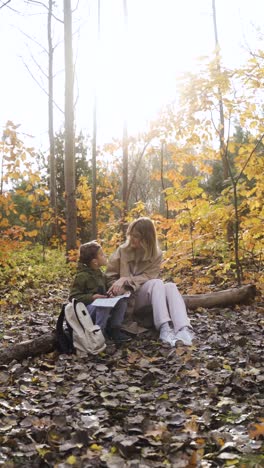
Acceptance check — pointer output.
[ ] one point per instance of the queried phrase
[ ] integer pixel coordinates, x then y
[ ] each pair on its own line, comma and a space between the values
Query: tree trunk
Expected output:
125, 170
125, 131
223, 149
220, 99
94, 146
52, 165
94, 174
47, 343
69, 163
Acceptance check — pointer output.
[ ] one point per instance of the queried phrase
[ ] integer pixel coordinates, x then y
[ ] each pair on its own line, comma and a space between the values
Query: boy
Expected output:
90, 283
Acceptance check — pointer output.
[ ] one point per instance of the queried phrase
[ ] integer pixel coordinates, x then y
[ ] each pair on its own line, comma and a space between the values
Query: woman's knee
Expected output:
153, 283
171, 287
157, 283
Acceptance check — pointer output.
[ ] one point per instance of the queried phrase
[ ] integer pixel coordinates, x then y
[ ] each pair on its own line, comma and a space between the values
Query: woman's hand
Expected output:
99, 296
117, 287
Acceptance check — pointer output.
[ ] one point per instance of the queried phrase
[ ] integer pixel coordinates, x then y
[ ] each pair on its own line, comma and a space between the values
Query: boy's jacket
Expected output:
87, 282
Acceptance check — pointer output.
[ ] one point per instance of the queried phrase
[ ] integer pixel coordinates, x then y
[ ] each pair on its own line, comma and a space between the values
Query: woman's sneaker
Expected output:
167, 336
185, 335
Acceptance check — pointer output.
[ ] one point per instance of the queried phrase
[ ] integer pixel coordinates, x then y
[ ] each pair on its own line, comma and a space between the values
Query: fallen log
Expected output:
228, 297
19, 351
47, 342
242, 295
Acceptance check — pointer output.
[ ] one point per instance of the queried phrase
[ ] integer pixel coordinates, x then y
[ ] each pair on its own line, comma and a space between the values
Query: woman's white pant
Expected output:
167, 303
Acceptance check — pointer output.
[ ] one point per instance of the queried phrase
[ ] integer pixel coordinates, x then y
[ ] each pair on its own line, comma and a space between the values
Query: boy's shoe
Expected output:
116, 335
185, 335
167, 336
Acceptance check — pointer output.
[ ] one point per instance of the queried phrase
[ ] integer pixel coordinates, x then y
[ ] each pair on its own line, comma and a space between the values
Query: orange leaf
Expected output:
33, 233
256, 430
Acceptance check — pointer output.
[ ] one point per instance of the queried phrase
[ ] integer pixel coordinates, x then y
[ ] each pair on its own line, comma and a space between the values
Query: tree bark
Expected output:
220, 99
125, 131
52, 161
224, 298
41, 345
47, 343
94, 145
69, 163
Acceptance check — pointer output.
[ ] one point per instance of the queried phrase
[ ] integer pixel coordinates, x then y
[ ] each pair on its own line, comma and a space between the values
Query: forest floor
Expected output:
139, 405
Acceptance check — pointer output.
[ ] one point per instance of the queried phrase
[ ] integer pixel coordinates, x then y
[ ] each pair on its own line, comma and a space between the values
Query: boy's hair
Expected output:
145, 230
88, 252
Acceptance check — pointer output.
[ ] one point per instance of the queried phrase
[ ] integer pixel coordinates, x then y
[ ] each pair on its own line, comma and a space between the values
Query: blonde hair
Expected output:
145, 230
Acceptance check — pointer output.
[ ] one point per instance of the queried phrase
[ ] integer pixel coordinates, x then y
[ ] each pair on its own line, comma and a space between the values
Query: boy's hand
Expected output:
99, 296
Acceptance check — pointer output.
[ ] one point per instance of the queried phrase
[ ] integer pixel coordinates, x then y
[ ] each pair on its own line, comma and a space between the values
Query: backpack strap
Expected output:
63, 338
74, 303
59, 324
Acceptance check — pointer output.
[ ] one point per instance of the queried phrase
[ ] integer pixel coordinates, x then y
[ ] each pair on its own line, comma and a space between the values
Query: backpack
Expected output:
80, 335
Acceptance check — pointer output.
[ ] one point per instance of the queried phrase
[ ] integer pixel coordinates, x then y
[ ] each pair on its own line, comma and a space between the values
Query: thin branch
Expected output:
256, 55
76, 8
45, 6
248, 159
38, 66
41, 87
12, 9
33, 40
4, 4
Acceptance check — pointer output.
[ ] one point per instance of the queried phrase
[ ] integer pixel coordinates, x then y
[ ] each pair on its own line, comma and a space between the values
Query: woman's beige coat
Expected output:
128, 262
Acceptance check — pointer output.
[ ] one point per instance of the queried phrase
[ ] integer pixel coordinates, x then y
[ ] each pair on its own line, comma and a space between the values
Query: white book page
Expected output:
109, 301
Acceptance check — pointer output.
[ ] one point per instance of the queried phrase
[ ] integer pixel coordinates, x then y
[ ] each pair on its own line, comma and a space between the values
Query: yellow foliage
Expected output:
71, 460
197, 222
33, 233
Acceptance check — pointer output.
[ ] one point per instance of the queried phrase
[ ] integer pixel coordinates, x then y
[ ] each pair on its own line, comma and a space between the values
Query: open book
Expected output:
109, 301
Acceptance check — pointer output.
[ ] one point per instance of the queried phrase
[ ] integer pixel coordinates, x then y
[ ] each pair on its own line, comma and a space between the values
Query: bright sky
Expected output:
165, 37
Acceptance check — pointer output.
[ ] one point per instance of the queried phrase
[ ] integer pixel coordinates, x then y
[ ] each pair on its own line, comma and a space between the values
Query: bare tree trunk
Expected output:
69, 163
94, 148
125, 132
125, 168
220, 100
94, 174
52, 164
223, 152
163, 200
162, 195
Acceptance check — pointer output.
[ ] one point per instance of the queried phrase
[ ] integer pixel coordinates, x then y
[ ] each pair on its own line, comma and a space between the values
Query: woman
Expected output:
136, 265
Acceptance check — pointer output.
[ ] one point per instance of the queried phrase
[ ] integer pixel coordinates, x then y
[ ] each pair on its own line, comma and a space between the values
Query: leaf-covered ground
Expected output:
139, 405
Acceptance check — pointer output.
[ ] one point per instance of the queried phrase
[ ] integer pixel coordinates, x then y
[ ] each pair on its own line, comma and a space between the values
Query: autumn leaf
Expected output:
95, 447
71, 460
256, 430
33, 233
